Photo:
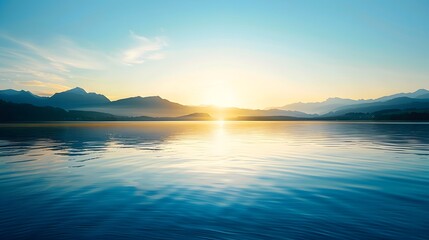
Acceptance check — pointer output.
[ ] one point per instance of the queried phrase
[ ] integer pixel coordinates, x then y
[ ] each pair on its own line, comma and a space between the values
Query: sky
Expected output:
255, 54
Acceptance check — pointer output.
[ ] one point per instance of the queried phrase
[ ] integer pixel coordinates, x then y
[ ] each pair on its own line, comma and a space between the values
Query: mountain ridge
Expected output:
20, 112
76, 97
334, 103
401, 103
155, 106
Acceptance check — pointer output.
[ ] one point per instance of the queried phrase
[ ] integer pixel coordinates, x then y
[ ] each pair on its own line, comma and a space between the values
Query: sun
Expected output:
220, 96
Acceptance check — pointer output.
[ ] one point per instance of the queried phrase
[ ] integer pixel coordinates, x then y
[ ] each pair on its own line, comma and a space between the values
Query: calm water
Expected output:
208, 180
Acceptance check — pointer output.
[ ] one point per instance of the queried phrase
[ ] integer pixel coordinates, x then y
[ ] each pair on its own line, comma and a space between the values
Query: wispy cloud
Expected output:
63, 54
144, 49
39, 84
51, 66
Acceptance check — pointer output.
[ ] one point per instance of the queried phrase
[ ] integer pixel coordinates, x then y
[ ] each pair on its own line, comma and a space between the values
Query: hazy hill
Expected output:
23, 112
401, 103
241, 112
136, 106
153, 106
321, 107
423, 96
383, 115
22, 96
196, 116
334, 104
146, 102
416, 94
164, 108
75, 98
17, 112
157, 107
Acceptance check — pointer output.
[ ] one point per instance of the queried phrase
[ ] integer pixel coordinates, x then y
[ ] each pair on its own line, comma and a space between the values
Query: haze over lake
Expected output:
214, 180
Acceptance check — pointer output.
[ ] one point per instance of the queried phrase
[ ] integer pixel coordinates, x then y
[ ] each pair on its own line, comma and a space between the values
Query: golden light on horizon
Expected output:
220, 94
220, 122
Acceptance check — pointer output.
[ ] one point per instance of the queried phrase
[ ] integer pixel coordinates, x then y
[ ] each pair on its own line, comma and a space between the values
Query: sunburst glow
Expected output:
220, 95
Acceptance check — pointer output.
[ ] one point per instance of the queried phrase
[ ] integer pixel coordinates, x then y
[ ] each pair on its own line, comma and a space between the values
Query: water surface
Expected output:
214, 180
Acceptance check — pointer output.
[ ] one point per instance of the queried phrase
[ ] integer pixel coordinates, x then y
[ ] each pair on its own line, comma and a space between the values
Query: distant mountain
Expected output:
189, 117
321, 107
231, 112
400, 103
145, 102
166, 108
383, 115
18, 112
423, 96
22, 112
76, 98
22, 96
267, 118
415, 94
196, 116
73, 98
153, 106
334, 104
156, 107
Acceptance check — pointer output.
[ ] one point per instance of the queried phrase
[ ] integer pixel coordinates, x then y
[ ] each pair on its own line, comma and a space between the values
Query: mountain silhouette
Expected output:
335, 104
154, 106
415, 94
400, 103
423, 96
23, 112
73, 98
22, 96
321, 107
157, 108
76, 97
145, 102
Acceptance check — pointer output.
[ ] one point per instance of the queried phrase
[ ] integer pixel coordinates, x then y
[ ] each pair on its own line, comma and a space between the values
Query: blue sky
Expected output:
241, 53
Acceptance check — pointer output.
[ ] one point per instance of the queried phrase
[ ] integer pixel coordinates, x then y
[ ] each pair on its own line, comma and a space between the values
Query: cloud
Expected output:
50, 88
144, 50
50, 66
53, 65
35, 83
63, 54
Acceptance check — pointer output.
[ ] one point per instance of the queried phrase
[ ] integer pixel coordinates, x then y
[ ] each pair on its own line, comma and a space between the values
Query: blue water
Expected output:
214, 180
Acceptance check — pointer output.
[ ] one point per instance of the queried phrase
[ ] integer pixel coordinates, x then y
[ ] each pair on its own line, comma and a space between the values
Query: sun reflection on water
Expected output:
212, 172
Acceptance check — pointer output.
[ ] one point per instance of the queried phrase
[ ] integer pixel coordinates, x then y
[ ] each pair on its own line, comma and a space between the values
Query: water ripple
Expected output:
203, 180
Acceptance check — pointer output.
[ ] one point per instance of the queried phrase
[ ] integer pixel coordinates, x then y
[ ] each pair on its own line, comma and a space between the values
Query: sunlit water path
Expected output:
213, 180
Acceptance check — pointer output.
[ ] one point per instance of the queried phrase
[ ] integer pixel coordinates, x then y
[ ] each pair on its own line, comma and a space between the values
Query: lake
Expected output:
214, 180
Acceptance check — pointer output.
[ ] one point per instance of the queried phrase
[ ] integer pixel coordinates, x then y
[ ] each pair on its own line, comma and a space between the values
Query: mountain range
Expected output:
336, 104
73, 98
80, 104
152, 106
22, 112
